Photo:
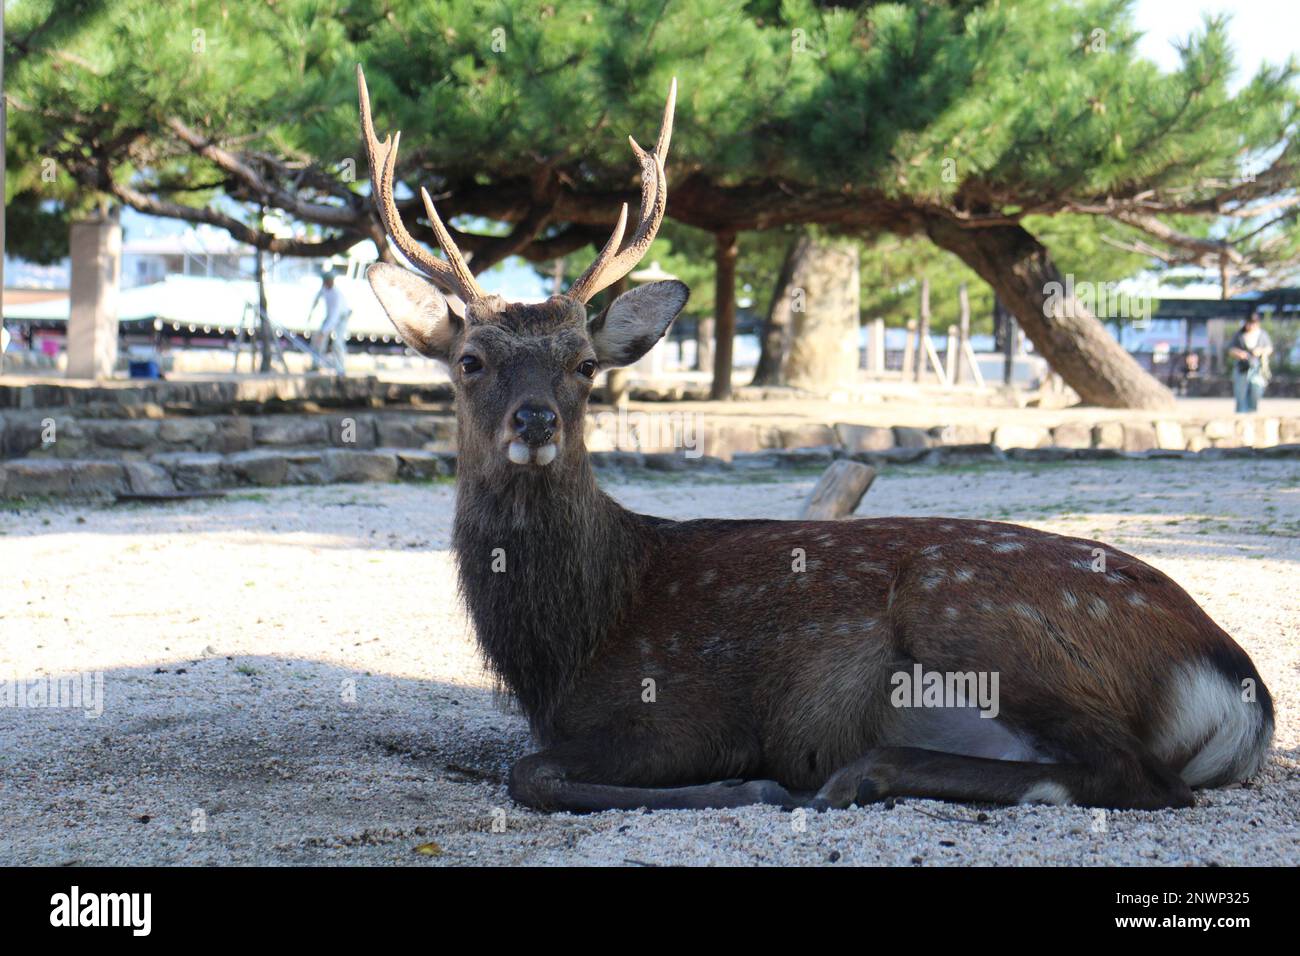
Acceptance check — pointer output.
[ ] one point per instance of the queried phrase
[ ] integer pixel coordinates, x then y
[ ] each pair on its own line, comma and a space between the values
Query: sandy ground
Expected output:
288, 679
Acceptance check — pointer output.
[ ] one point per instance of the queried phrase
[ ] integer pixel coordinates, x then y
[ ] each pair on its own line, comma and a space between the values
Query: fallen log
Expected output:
838, 491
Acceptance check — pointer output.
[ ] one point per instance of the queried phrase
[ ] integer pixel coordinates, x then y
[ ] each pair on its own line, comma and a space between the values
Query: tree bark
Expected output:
838, 491
704, 327
263, 316
724, 310
823, 351
1074, 343
774, 340
810, 338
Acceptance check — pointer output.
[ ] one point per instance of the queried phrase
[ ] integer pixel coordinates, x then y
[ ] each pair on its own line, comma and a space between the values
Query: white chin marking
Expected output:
521, 454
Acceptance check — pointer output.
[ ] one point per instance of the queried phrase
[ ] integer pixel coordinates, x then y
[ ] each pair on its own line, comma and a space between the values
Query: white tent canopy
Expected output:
219, 304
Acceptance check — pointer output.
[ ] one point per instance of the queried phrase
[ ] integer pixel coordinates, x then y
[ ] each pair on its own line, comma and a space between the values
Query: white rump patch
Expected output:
1047, 792
1207, 718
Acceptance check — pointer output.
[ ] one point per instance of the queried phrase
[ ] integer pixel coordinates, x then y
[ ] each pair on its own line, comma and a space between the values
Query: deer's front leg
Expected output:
543, 781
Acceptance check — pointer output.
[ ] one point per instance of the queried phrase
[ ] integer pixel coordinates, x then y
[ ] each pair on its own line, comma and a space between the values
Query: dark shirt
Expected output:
1239, 342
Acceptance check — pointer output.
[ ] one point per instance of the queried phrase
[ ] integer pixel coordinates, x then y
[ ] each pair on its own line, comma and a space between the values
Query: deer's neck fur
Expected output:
572, 560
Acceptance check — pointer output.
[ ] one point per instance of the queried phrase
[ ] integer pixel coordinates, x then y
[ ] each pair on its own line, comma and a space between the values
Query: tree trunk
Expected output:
774, 340
704, 327
810, 338
724, 310
823, 349
1074, 343
263, 316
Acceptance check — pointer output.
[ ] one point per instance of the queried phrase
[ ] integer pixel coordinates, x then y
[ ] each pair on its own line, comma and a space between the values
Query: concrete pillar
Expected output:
96, 251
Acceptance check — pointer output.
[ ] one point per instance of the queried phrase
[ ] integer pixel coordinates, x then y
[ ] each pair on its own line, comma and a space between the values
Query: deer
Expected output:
720, 663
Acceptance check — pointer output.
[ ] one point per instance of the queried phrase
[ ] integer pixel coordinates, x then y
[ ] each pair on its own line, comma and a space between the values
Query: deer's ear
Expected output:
635, 321
417, 309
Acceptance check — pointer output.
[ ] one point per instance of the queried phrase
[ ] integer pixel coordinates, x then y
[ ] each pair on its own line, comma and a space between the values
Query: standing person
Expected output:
333, 332
1249, 351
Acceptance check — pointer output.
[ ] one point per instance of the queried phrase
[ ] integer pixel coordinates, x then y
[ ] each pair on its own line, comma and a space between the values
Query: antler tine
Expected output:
585, 286
448, 245
612, 264
453, 275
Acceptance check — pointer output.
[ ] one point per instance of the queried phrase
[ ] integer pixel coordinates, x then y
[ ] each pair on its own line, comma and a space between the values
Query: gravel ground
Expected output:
289, 679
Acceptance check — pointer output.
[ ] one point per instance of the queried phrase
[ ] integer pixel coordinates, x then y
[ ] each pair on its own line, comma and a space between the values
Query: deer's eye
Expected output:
588, 368
469, 364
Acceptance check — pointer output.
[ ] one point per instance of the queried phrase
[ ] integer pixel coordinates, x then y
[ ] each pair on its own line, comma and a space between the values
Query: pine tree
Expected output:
981, 127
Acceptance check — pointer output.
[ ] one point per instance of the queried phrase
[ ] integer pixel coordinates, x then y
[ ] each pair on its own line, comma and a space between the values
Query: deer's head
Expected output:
522, 373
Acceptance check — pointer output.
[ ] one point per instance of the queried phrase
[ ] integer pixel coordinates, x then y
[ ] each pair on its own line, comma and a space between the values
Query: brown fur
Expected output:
763, 671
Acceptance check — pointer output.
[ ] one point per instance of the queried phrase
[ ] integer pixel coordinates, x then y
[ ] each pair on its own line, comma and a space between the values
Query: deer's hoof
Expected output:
859, 783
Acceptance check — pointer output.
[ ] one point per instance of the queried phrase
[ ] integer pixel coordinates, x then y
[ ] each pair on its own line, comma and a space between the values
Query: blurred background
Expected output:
1078, 201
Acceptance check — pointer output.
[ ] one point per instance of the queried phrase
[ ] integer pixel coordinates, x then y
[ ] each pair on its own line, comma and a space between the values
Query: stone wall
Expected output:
55, 435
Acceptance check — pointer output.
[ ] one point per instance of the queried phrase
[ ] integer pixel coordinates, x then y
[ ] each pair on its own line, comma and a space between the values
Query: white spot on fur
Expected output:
1136, 599
1226, 736
707, 577
1069, 600
1005, 547
1047, 792
963, 575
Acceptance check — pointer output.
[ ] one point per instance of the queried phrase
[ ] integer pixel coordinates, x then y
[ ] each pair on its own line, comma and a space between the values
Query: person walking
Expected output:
1249, 351
333, 333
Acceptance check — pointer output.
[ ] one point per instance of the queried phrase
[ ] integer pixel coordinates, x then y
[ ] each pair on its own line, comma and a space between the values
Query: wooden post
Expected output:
725, 253
931, 354
876, 346
838, 491
909, 350
963, 330
969, 352
923, 329
951, 355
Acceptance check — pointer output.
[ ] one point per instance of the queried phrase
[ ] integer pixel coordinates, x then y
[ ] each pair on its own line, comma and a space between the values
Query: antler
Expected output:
453, 275
612, 264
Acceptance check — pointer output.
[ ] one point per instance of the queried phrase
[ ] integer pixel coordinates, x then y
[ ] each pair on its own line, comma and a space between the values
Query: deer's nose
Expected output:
535, 424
